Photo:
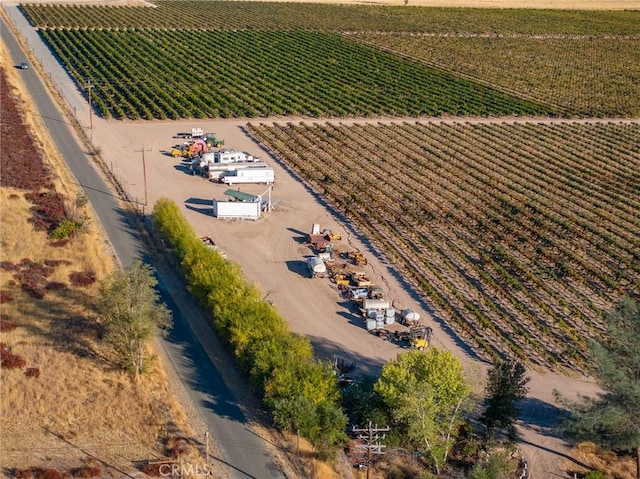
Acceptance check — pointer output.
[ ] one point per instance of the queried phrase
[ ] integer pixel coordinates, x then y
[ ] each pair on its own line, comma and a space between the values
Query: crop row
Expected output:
146, 74
228, 15
590, 76
519, 235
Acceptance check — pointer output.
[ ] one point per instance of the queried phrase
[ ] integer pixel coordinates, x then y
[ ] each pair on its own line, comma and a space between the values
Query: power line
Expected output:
372, 434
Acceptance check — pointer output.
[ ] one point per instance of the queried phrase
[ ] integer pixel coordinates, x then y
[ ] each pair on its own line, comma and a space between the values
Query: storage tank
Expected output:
369, 303
316, 266
389, 316
410, 316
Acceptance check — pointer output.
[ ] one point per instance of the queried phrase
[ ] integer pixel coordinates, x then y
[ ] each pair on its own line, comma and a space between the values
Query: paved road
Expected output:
242, 454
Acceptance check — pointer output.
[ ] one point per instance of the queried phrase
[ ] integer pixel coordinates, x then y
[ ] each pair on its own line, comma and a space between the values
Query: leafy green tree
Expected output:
613, 419
426, 392
132, 314
506, 387
323, 424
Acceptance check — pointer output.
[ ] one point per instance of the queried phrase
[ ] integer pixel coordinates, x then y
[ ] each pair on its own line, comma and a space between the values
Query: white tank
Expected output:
389, 316
410, 316
369, 303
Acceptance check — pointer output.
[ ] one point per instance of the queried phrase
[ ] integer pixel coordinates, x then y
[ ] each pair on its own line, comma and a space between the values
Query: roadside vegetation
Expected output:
65, 409
301, 392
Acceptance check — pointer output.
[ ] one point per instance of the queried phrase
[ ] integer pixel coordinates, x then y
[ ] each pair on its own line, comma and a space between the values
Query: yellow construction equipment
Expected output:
341, 279
360, 279
358, 258
418, 337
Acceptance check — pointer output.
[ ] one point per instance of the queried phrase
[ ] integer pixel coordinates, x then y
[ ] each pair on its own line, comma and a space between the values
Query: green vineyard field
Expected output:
145, 74
588, 76
519, 235
416, 61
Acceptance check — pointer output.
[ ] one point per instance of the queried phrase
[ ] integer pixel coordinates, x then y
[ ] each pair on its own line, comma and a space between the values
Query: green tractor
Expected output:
212, 141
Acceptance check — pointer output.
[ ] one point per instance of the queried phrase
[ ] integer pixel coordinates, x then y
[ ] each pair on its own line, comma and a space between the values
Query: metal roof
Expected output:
240, 196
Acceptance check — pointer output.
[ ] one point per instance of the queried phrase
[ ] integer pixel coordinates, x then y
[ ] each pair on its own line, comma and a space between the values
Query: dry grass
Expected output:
68, 405
592, 456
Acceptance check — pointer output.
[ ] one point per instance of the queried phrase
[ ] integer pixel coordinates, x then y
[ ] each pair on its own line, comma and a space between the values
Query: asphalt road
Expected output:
242, 454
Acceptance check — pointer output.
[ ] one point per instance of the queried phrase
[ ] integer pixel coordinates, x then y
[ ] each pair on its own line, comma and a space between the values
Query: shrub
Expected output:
32, 372
6, 325
68, 229
82, 278
5, 297
10, 360
86, 472
595, 475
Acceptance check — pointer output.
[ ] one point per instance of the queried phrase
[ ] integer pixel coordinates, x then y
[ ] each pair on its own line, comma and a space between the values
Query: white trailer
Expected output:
217, 170
261, 174
237, 209
233, 156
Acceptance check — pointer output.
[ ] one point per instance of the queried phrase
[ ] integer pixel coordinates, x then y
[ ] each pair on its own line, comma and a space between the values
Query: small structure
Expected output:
239, 205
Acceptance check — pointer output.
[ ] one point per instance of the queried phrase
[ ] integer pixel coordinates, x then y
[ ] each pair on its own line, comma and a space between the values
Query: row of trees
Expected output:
302, 393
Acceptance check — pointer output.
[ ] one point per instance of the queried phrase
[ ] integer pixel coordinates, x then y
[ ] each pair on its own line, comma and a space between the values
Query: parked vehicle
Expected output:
316, 266
249, 175
418, 337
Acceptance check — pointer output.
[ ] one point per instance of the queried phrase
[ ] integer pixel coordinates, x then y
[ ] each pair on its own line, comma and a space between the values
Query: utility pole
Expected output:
88, 87
206, 445
144, 171
370, 435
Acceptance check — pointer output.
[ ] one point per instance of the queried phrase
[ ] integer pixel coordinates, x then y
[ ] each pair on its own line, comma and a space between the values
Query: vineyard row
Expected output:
519, 235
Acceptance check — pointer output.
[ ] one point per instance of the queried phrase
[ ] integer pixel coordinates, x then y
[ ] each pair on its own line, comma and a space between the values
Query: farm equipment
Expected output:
360, 279
341, 279
190, 149
374, 292
409, 317
418, 337
211, 140
357, 257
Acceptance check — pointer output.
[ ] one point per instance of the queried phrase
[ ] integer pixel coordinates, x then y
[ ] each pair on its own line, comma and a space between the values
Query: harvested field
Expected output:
520, 235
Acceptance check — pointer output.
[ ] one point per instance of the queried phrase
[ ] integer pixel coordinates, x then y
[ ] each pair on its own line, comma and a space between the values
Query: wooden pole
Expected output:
144, 172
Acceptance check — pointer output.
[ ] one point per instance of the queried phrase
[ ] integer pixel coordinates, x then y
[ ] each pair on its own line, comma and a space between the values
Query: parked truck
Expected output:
316, 266
260, 174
